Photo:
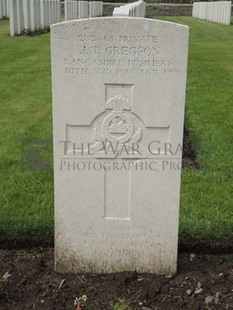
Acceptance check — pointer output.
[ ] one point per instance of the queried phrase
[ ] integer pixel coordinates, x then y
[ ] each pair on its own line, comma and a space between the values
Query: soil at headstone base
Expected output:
30, 282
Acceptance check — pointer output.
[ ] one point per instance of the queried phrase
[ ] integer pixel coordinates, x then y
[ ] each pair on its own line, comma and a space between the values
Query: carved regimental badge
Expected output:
119, 131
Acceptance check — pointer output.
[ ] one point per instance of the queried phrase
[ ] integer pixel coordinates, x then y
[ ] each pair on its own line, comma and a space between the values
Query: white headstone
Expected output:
1, 10
53, 11
83, 9
142, 8
118, 104
4, 6
33, 15
42, 14
50, 12
37, 12
228, 15
46, 13
7, 7
71, 9
58, 11
26, 13
16, 17
134, 9
95, 8
121, 11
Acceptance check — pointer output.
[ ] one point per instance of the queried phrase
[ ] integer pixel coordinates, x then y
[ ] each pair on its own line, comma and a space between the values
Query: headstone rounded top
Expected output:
121, 20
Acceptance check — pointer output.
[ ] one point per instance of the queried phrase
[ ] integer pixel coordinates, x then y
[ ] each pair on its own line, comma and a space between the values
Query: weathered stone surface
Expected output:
120, 83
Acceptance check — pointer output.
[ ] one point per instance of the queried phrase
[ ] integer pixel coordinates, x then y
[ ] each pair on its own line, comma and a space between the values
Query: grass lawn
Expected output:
26, 197
207, 194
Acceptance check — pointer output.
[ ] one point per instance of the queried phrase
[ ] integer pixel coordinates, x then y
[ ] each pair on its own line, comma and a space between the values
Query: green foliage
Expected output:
215, 276
121, 304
